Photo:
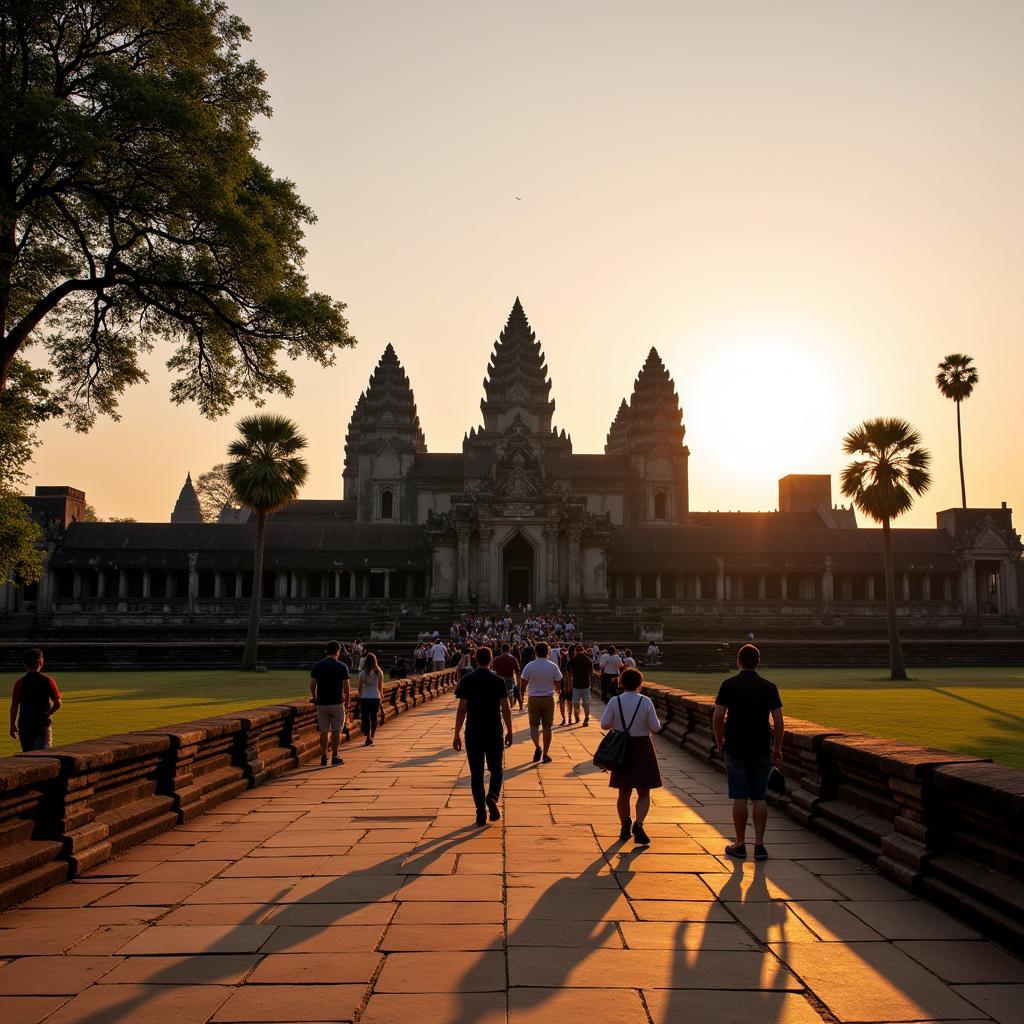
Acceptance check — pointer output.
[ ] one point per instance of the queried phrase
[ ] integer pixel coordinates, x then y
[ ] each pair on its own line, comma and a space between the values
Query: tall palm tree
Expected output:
265, 473
890, 470
956, 379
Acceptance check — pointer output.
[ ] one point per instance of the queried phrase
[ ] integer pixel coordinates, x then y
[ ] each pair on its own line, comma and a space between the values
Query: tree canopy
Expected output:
266, 470
957, 377
134, 211
890, 470
214, 490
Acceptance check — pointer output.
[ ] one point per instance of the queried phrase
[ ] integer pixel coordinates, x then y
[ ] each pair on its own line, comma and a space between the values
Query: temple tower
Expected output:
383, 438
654, 436
186, 508
617, 442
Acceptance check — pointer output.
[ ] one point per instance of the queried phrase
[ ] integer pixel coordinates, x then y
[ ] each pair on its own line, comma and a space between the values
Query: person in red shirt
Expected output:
507, 666
34, 702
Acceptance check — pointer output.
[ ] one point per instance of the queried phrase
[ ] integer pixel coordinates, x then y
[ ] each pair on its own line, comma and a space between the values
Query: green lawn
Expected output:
976, 711
101, 703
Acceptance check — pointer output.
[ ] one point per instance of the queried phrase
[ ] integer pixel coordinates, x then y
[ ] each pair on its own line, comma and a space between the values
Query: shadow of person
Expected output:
340, 898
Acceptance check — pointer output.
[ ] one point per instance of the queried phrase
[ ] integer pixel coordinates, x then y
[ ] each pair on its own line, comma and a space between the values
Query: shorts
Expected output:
437, 666
747, 777
542, 712
329, 718
41, 739
581, 696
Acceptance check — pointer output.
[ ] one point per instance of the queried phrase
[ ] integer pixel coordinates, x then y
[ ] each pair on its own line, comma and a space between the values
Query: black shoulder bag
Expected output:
613, 749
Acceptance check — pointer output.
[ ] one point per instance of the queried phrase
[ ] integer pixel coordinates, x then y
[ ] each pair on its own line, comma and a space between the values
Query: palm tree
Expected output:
265, 473
890, 471
956, 379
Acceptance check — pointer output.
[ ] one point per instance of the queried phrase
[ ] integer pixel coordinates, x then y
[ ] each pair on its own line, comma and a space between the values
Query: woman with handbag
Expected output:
634, 714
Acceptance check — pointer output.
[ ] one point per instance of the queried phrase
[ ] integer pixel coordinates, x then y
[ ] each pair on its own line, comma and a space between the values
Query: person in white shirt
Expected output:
652, 653
634, 713
555, 655
540, 677
611, 666
628, 661
371, 682
438, 656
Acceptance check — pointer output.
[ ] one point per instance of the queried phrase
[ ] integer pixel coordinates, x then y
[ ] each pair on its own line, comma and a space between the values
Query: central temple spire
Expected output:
517, 384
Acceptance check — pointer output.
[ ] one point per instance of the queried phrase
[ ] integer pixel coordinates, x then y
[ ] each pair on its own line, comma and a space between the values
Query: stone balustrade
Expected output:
949, 827
66, 810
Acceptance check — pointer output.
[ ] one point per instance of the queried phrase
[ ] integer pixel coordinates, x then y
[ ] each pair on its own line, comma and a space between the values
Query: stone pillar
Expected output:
76, 585
947, 588
696, 586
551, 590
969, 586
193, 581
336, 592
657, 585
762, 587
926, 586
1008, 598
720, 580
905, 587
784, 586
238, 585
293, 584
462, 565
828, 594
575, 567
122, 583
871, 586
387, 583
638, 586
147, 583
218, 584
44, 599
281, 586
483, 583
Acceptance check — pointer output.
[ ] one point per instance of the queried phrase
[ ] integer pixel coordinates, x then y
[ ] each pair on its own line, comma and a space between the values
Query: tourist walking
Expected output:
582, 670
371, 682
35, 699
743, 707
329, 690
483, 707
438, 656
632, 712
540, 677
653, 653
507, 666
565, 693
611, 666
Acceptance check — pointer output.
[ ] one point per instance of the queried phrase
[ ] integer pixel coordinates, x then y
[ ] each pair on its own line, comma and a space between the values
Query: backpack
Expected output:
613, 749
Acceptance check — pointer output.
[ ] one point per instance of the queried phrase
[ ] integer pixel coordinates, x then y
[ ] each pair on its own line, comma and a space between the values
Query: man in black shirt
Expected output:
483, 703
742, 708
329, 691
34, 702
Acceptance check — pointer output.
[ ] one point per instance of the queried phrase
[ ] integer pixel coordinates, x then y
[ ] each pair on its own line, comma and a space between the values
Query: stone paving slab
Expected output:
366, 893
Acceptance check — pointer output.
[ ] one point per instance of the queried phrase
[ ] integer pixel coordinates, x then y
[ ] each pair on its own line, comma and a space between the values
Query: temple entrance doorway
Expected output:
517, 569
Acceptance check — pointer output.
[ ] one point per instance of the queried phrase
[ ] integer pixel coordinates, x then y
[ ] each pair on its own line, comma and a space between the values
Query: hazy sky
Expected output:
804, 206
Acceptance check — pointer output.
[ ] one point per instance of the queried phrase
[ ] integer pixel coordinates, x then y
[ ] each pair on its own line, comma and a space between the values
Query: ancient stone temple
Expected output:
517, 517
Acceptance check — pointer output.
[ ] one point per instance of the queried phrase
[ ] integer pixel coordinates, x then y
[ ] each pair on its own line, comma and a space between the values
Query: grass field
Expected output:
966, 710
102, 703
974, 711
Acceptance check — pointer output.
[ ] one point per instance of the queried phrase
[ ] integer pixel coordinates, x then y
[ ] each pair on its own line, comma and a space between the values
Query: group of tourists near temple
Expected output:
538, 675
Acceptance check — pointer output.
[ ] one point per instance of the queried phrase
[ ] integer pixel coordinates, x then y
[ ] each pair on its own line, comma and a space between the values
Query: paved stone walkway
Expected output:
365, 893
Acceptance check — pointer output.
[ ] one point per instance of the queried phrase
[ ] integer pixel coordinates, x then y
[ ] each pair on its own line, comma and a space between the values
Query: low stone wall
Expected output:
64, 811
949, 827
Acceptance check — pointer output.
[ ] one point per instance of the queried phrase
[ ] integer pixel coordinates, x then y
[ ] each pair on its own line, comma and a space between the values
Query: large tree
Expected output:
134, 211
956, 379
889, 471
214, 490
266, 472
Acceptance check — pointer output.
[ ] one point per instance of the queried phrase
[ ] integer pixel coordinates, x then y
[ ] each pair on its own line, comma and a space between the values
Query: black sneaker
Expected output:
492, 809
640, 837
624, 832
336, 761
323, 761
545, 759
481, 817
536, 755
760, 852
737, 850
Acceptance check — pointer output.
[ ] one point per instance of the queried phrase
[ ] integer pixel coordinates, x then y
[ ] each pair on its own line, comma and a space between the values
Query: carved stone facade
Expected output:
516, 517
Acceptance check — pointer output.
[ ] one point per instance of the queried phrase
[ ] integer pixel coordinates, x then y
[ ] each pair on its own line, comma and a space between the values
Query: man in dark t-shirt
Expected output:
329, 691
506, 665
743, 707
483, 703
582, 669
34, 701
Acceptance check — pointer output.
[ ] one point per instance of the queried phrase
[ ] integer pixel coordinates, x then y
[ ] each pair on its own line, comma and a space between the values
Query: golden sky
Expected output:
803, 205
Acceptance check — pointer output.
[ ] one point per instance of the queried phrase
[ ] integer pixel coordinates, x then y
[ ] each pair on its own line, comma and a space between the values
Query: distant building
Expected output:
517, 517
